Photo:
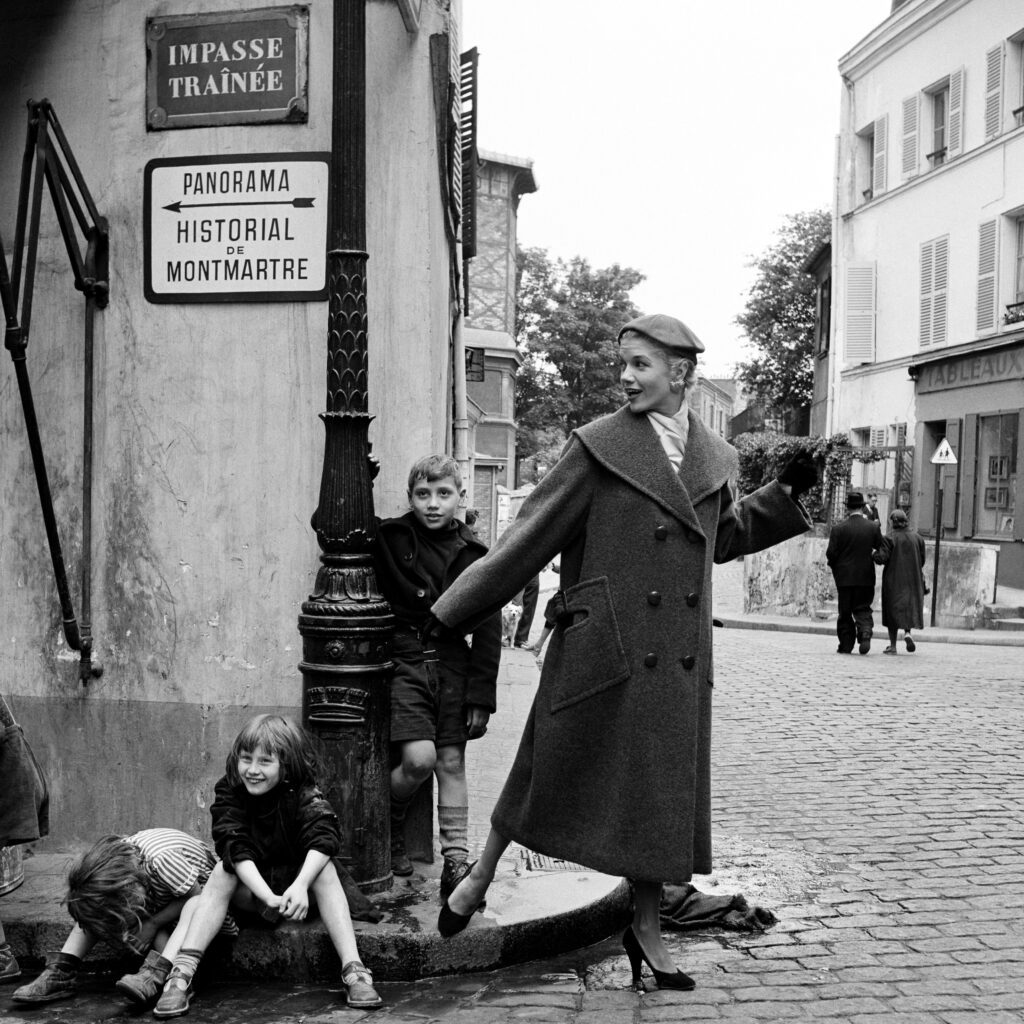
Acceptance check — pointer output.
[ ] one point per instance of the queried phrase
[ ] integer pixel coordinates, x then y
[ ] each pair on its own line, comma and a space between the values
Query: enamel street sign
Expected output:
943, 455
249, 228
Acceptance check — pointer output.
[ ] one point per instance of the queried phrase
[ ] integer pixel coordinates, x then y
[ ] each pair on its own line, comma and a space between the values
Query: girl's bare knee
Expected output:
418, 759
451, 760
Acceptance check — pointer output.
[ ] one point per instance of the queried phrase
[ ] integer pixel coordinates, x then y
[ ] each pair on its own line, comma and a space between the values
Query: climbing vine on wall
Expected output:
762, 455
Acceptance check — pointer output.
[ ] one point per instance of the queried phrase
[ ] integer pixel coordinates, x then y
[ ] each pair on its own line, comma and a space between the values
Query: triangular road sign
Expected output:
943, 455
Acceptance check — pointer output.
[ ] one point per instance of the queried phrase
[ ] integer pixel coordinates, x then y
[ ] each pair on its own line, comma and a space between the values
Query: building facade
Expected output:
501, 181
928, 250
207, 447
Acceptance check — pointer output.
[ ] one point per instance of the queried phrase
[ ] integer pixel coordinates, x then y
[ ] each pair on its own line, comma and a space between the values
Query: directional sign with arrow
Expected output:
247, 228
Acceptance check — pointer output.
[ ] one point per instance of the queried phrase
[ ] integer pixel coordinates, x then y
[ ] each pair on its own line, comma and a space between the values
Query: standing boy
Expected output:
851, 545
443, 691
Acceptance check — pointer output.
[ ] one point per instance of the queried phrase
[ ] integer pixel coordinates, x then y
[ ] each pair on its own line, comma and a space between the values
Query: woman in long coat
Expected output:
902, 554
613, 768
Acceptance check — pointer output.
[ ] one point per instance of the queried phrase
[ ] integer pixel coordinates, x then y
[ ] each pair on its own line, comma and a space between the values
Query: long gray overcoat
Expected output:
613, 767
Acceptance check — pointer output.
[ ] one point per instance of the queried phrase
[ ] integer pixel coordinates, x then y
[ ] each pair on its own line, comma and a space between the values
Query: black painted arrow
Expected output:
306, 203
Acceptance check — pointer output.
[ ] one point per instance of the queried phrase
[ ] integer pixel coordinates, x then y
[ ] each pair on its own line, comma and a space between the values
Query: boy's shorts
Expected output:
428, 689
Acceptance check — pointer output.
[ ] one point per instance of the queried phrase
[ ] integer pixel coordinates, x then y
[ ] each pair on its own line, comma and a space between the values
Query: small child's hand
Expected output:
295, 902
476, 720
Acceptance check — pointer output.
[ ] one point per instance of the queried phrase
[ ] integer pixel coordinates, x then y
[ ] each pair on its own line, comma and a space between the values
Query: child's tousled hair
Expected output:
295, 748
107, 890
435, 467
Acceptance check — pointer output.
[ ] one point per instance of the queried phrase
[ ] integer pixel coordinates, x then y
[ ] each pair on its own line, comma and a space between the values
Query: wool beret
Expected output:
667, 331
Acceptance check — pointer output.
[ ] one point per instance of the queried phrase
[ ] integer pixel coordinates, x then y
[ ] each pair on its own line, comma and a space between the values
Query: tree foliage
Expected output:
779, 315
567, 317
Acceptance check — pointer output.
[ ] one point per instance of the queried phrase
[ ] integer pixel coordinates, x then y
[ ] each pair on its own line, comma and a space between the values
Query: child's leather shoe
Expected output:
175, 999
9, 969
145, 985
359, 988
57, 981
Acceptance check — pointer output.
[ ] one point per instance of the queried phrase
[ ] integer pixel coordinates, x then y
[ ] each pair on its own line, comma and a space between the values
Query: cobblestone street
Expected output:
874, 803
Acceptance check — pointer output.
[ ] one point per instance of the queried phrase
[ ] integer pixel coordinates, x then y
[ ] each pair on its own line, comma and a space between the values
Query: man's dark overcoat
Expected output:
613, 769
851, 544
902, 554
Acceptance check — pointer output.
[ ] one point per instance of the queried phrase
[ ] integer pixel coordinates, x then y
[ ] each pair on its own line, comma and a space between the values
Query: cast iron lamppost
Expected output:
346, 625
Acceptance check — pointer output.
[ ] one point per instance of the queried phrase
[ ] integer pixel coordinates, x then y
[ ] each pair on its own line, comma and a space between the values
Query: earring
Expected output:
675, 386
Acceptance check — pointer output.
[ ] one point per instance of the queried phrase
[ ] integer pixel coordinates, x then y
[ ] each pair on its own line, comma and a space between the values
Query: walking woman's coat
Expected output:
613, 769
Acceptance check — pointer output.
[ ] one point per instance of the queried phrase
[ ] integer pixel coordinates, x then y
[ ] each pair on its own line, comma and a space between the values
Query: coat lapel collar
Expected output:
627, 445
708, 463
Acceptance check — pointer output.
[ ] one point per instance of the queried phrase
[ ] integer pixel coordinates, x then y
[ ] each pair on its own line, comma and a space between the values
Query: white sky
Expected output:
672, 136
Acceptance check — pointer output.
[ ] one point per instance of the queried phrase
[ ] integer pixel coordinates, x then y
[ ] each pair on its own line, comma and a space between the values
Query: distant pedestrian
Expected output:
613, 769
902, 554
871, 508
529, 596
552, 610
851, 545
278, 841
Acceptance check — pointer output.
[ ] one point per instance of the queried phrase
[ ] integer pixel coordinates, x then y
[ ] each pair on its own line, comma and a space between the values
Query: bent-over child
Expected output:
127, 891
278, 841
443, 690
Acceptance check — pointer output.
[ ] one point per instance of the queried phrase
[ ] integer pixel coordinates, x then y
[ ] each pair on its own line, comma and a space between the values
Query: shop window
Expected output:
995, 500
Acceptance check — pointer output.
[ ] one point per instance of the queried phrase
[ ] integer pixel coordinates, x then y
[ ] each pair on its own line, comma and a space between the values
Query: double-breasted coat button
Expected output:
654, 598
692, 599
651, 660
408, 556
689, 661
661, 533
421, 593
692, 536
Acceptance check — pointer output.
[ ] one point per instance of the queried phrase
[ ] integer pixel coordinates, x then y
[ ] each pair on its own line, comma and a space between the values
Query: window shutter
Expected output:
964, 473
878, 172
955, 139
859, 330
986, 313
901, 433
940, 286
994, 91
950, 477
877, 438
911, 107
468, 121
925, 324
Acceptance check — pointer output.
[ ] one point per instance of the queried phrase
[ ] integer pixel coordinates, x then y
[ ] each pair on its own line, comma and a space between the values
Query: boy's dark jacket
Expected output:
411, 594
278, 830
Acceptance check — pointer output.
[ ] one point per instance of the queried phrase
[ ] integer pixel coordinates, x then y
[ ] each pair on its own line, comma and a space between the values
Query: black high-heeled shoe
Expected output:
636, 954
450, 923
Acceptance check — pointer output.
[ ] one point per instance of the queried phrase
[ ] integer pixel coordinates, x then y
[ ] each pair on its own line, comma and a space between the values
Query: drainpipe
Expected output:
346, 625
461, 409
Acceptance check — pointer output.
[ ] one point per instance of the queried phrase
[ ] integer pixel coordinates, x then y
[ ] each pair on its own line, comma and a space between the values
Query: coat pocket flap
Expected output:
592, 656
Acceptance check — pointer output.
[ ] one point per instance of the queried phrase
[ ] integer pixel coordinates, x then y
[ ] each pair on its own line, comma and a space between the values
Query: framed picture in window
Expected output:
999, 467
997, 497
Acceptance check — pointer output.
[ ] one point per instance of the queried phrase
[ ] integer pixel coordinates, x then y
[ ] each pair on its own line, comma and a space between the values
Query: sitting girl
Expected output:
276, 836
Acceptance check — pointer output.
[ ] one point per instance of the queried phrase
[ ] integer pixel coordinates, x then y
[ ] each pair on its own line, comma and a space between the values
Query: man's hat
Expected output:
854, 499
667, 331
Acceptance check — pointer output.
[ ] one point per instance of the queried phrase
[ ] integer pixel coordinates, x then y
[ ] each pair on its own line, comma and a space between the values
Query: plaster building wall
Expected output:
930, 198
208, 445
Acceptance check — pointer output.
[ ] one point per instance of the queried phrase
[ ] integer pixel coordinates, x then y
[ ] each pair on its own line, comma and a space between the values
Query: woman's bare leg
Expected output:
470, 891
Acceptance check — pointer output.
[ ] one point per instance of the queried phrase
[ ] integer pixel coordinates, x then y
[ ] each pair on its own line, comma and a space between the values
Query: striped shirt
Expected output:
175, 863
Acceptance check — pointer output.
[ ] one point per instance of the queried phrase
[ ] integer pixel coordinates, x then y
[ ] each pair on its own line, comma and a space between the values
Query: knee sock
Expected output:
399, 809
453, 825
186, 962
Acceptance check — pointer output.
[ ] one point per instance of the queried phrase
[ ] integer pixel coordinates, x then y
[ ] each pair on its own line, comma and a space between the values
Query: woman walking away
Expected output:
639, 508
902, 554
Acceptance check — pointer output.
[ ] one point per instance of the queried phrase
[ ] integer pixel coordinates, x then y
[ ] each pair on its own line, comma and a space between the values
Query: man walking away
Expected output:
851, 545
